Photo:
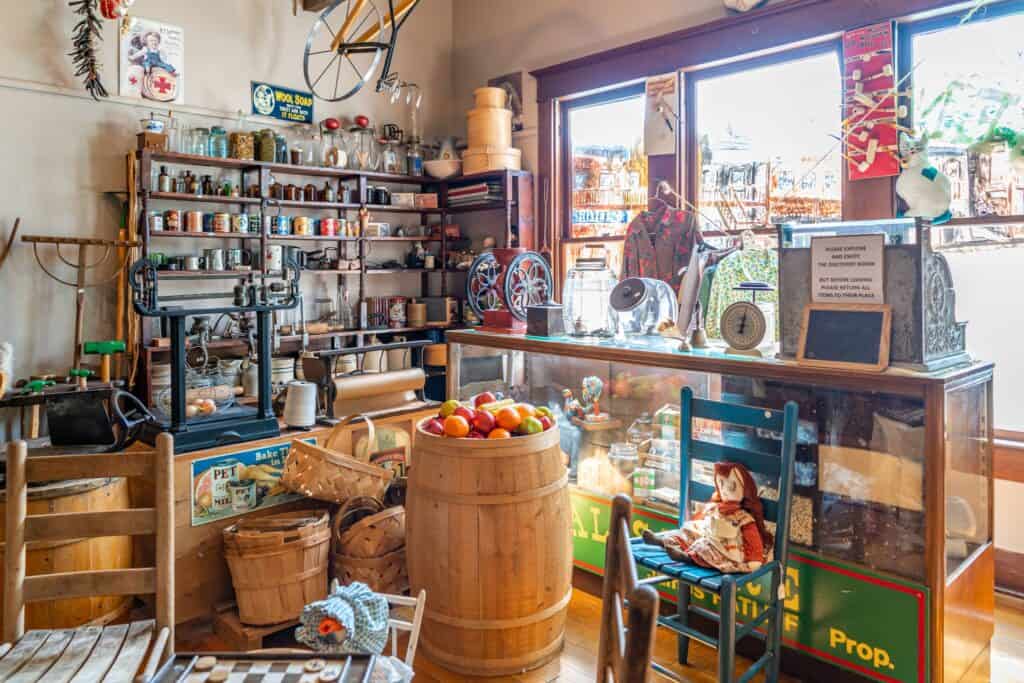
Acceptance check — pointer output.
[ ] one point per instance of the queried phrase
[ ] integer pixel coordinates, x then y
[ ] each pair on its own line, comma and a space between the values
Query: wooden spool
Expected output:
489, 538
278, 564
50, 557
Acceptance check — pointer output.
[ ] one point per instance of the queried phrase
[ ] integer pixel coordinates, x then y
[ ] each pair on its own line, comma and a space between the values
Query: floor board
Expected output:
1002, 663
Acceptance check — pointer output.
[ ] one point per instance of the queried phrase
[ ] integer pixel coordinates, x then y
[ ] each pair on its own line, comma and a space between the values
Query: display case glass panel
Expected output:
968, 473
860, 466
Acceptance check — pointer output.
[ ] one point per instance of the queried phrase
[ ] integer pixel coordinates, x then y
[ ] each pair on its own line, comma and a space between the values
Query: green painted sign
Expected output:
872, 624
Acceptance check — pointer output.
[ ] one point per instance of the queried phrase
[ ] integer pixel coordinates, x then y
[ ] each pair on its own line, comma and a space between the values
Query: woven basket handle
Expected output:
335, 434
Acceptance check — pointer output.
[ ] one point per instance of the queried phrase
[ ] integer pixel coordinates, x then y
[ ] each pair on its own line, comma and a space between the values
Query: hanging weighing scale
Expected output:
744, 324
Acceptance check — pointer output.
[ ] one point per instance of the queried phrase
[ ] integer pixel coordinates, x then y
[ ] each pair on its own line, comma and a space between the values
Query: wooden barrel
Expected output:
488, 535
49, 557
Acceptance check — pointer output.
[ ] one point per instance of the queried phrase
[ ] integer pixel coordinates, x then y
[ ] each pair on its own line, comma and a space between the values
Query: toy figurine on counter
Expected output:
589, 409
729, 533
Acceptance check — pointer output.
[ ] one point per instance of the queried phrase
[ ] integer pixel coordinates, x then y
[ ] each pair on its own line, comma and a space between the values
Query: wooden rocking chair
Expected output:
115, 653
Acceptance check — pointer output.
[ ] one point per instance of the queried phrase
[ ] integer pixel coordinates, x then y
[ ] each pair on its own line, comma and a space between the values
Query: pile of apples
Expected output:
489, 418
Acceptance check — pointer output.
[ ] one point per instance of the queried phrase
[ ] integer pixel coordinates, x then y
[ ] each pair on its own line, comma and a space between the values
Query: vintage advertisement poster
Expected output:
152, 62
661, 117
294, 106
235, 483
872, 103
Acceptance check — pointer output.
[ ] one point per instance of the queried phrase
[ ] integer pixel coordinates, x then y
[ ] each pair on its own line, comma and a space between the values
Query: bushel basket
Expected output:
278, 564
364, 528
324, 473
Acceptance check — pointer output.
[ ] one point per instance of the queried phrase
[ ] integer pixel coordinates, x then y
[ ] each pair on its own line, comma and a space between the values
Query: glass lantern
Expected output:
586, 304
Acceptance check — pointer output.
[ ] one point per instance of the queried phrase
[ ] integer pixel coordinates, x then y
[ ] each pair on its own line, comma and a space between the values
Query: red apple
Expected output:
485, 397
475, 435
434, 426
484, 422
465, 412
546, 422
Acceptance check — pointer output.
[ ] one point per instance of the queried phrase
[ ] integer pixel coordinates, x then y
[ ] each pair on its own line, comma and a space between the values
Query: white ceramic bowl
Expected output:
442, 168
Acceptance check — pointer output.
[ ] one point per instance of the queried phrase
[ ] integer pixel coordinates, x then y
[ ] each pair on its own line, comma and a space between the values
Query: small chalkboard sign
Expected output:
848, 336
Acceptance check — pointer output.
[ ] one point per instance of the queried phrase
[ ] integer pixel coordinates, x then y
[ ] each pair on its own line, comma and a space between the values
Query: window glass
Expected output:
767, 144
968, 82
609, 168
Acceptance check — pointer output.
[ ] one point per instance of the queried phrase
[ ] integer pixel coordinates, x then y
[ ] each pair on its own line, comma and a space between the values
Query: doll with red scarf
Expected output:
728, 534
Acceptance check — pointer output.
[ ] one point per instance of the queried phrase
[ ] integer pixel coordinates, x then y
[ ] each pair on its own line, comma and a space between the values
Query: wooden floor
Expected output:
1003, 664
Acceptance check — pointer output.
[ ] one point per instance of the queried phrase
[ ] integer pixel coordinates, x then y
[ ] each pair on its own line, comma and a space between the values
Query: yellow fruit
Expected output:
526, 410
495, 406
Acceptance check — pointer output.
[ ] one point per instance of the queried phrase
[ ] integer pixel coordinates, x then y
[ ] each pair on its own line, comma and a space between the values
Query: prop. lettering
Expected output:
876, 656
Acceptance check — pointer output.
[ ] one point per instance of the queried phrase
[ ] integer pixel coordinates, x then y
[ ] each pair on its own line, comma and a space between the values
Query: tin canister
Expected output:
222, 222
255, 222
243, 494
301, 225
207, 222
172, 220
239, 222
329, 227
194, 221
156, 221
281, 225
221, 477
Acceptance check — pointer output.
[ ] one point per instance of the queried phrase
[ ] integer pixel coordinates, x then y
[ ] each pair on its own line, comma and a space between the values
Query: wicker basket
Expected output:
364, 529
324, 473
384, 574
278, 564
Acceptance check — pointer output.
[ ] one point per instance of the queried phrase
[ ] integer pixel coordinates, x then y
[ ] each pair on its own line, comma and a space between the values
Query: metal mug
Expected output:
235, 258
193, 263
296, 255
214, 259
273, 257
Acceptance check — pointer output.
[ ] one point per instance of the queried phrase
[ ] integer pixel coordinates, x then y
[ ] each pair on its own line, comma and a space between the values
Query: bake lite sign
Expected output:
286, 104
843, 614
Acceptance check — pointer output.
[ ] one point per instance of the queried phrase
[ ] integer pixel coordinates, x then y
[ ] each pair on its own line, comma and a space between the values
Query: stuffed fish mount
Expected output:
927, 192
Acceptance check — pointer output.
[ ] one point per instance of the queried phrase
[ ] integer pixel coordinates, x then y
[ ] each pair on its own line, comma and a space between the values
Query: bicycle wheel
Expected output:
334, 68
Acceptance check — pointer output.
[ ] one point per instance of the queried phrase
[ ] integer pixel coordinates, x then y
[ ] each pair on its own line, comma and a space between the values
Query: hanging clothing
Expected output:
659, 244
747, 265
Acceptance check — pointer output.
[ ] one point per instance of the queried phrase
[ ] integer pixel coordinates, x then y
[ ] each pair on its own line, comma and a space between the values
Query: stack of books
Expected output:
478, 193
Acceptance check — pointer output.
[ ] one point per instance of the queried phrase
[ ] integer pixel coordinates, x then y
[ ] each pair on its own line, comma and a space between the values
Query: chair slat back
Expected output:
769, 457
22, 528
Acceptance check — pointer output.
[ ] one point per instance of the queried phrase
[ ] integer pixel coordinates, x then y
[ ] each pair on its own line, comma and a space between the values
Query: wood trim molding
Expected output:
769, 28
1010, 571
1008, 460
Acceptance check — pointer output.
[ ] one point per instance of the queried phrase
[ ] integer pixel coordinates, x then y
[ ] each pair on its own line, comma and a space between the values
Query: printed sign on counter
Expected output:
286, 104
235, 483
848, 270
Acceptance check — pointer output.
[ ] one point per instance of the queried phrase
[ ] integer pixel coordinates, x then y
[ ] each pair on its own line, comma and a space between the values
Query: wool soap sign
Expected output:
286, 104
848, 270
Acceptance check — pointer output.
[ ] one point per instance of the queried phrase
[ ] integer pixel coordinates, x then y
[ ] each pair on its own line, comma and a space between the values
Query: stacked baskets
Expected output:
368, 536
278, 564
489, 129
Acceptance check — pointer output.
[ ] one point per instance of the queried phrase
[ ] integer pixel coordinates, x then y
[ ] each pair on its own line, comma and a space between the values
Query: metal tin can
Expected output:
172, 220
281, 225
301, 225
194, 221
329, 227
207, 222
255, 222
239, 222
156, 221
243, 495
222, 222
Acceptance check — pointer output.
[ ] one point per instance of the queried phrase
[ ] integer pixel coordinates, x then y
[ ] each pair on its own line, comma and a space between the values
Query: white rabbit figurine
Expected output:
926, 191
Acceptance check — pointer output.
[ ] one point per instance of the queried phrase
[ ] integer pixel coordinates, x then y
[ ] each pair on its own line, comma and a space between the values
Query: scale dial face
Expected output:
743, 326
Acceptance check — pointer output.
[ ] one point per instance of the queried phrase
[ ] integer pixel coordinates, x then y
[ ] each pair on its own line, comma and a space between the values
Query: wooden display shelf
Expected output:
312, 238
209, 274
205, 235
390, 208
202, 198
482, 206
291, 203
403, 238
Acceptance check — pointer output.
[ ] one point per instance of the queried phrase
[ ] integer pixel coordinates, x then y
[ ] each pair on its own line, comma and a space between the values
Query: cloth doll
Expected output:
728, 534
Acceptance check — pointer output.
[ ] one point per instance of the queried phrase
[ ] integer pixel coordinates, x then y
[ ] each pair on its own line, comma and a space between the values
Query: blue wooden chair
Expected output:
760, 455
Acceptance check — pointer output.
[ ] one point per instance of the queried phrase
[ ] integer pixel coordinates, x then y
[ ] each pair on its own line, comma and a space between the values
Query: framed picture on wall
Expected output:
152, 61
512, 84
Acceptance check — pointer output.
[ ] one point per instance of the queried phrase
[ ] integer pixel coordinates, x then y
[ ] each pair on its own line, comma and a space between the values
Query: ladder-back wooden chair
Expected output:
113, 654
772, 458
624, 650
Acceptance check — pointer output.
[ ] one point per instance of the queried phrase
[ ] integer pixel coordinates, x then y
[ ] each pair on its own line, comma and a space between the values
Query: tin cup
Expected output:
236, 258
214, 259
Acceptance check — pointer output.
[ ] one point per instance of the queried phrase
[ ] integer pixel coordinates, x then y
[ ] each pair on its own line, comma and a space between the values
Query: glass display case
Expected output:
871, 462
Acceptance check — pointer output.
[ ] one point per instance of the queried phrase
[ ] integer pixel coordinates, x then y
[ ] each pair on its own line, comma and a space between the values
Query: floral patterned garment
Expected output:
747, 265
675, 234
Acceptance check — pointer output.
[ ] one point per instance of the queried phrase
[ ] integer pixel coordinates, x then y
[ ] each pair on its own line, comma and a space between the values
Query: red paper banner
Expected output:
871, 129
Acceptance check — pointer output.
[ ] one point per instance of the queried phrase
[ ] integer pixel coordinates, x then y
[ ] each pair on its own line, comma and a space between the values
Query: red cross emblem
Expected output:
163, 85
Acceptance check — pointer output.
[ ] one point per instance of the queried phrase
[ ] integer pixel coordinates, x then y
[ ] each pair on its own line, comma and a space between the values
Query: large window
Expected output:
968, 83
766, 140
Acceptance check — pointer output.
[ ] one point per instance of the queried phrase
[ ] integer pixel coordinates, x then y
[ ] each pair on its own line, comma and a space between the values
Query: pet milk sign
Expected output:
286, 104
839, 613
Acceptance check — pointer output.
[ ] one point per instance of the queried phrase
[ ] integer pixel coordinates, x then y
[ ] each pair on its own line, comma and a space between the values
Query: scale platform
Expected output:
235, 424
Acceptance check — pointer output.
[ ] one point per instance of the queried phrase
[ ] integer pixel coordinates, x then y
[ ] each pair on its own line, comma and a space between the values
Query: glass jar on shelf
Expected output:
586, 299
365, 150
200, 141
241, 142
391, 157
335, 149
218, 142
266, 145
280, 148
641, 431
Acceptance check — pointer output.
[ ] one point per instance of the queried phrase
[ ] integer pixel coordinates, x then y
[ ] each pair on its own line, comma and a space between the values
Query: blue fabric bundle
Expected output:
361, 613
